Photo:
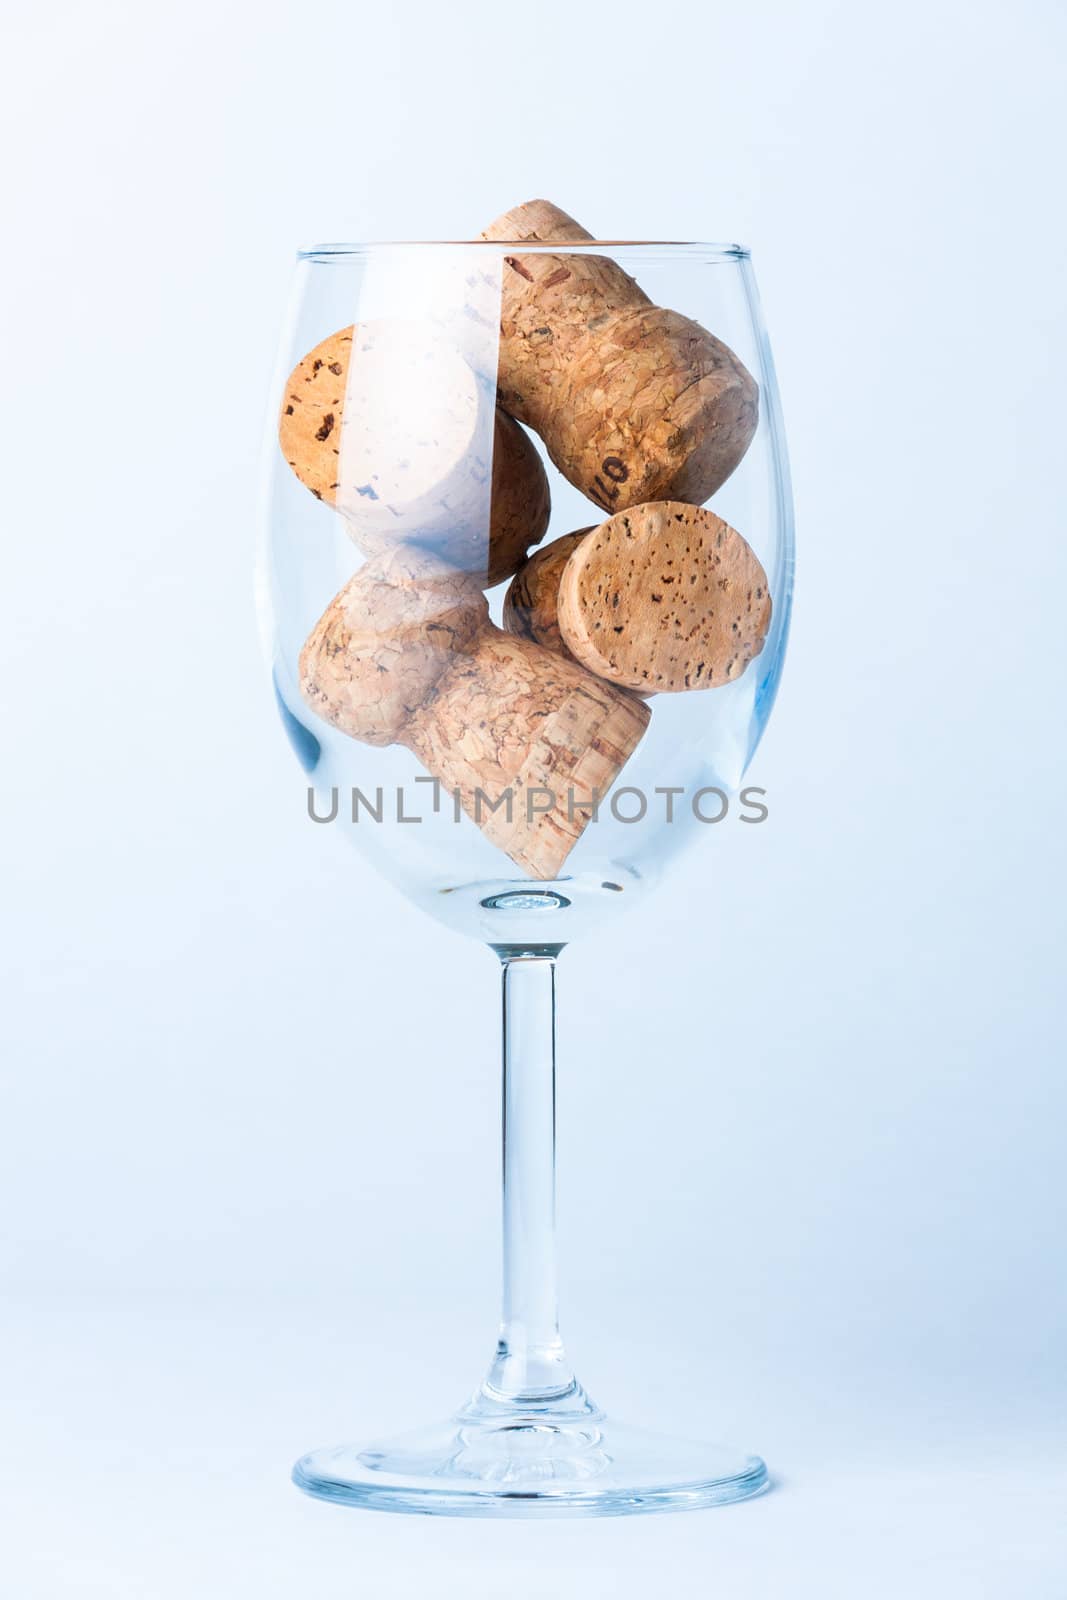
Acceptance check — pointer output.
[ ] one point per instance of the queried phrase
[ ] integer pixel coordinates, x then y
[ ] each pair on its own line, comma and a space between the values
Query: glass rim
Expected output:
706, 250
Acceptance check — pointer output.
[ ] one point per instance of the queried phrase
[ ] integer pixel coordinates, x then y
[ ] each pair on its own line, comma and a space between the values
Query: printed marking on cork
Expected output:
634, 402
617, 472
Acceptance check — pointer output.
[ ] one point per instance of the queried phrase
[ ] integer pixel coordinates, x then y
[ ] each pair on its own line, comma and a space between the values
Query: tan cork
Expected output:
633, 402
511, 717
530, 605
387, 422
664, 597
401, 658
380, 646
520, 508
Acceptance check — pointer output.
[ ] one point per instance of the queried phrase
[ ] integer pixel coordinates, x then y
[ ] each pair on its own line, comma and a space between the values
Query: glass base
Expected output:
531, 1463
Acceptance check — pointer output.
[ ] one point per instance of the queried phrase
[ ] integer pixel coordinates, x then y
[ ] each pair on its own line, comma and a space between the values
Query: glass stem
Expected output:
531, 1365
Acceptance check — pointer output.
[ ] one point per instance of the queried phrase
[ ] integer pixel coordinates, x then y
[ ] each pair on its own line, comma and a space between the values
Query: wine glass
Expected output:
525, 585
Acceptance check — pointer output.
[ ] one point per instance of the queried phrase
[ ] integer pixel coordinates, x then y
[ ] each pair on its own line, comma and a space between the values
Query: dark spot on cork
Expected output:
336, 368
323, 433
288, 411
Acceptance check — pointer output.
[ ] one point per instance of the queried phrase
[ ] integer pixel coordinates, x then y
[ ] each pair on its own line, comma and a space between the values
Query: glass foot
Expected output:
531, 1464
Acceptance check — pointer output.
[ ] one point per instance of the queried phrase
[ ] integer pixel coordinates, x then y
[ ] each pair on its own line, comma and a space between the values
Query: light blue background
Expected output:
812, 1105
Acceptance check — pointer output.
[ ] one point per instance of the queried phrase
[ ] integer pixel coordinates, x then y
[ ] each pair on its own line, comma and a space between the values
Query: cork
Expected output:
528, 741
520, 506
388, 423
530, 605
664, 597
510, 717
633, 402
381, 645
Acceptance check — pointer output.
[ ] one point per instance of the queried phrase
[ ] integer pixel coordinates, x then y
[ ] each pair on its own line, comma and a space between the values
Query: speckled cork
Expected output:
400, 658
387, 422
633, 402
511, 717
376, 653
531, 603
664, 597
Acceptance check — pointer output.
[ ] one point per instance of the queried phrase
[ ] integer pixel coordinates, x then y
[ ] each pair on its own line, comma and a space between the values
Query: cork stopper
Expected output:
527, 740
510, 719
664, 597
519, 511
387, 422
381, 645
531, 603
551, 305
633, 402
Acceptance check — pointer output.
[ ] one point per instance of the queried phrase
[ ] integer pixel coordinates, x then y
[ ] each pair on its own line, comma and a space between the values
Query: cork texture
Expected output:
388, 423
520, 510
551, 305
633, 402
531, 603
664, 597
405, 655
381, 645
510, 717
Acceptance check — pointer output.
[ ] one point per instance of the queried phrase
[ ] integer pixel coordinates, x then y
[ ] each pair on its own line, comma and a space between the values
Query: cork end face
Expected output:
667, 412
663, 598
376, 654
387, 423
715, 425
309, 424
